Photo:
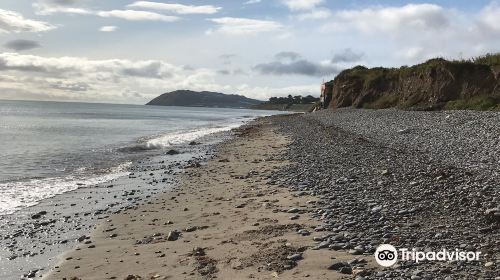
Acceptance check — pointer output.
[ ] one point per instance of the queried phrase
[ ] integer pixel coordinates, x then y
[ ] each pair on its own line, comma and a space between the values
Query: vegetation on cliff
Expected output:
434, 84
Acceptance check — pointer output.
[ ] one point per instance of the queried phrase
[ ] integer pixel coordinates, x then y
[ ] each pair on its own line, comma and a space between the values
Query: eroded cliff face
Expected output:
430, 85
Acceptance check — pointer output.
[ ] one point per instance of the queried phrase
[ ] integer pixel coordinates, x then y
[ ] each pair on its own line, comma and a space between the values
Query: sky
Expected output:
126, 51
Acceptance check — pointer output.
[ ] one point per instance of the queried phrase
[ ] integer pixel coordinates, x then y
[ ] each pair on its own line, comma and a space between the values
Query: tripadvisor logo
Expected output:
387, 255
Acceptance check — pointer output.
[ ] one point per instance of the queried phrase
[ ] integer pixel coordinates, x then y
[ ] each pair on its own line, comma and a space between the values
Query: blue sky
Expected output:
130, 51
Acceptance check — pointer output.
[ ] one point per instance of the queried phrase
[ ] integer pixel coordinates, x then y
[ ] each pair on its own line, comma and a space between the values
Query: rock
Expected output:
294, 257
337, 265
191, 228
172, 152
39, 215
376, 209
173, 235
488, 264
303, 232
81, 238
293, 210
346, 270
493, 214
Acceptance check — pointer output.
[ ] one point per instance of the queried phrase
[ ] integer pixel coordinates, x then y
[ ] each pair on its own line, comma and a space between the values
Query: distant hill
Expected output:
188, 98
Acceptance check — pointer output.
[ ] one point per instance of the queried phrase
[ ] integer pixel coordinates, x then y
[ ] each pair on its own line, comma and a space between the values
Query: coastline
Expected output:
312, 196
233, 223
34, 237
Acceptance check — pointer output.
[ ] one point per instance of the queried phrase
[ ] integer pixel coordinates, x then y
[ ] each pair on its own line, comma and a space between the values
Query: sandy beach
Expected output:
226, 220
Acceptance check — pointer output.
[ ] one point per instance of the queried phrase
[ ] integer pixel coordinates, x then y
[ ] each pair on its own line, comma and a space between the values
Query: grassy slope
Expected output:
378, 76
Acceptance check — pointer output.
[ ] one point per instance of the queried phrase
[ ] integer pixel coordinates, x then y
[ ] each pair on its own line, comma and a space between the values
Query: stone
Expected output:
337, 265
294, 257
172, 152
173, 235
346, 270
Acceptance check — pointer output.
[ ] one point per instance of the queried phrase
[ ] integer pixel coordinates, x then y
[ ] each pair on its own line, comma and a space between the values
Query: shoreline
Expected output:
226, 218
34, 237
312, 196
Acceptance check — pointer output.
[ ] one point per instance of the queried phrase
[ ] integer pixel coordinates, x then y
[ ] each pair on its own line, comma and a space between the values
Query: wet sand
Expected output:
225, 220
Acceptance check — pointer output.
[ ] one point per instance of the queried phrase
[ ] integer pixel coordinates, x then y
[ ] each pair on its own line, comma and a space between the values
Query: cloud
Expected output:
297, 67
49, 8
489, 17
287, 55
227, 58
315, 14
12, 22
302, 5
69, 86
346, 56
176, 8
137, 15
424, 17
240, 26
22, 45
97, 79
108, 28
110, 70
59, 2
250, 2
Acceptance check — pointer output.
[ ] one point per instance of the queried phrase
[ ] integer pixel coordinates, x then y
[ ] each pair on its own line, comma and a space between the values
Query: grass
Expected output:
386, 101
487, 59
480, 103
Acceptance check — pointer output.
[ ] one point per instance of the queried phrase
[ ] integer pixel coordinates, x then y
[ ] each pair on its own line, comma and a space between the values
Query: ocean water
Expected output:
48, 148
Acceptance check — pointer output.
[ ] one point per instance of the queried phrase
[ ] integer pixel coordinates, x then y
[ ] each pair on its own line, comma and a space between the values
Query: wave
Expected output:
21, 194
177, 138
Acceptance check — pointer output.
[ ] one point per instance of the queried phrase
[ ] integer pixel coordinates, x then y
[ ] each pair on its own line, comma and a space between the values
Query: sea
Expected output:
49, 148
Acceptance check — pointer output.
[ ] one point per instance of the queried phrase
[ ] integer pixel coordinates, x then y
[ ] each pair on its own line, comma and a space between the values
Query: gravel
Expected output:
421, 180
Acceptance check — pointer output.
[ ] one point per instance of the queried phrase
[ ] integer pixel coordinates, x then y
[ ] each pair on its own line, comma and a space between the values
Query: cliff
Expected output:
435, 84
189, 98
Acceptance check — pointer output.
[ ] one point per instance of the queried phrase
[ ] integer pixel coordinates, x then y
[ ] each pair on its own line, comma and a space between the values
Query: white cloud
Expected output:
49, 8
426, 17
250, 2
302, 5
12, 22
412, 53
239, 26
137, 15
176, 8
109, 28
489, 16
44, 9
